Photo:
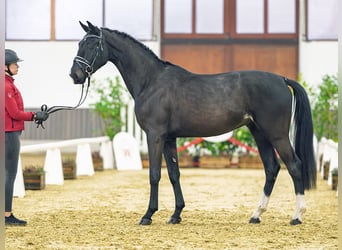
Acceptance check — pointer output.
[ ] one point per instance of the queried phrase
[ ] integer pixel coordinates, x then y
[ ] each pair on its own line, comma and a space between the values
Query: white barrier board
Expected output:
219, 138
19, 186
126, 151
84, 161
53, 167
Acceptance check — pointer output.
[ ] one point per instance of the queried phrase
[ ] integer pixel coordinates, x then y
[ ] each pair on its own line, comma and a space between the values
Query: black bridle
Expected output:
88, 68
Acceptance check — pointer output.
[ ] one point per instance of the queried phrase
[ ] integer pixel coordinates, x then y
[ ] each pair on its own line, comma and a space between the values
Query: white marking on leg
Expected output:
300, 207
262, 207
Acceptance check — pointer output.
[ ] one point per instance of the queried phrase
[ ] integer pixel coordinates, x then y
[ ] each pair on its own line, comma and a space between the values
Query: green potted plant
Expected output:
325, 109
324, 104
204, 154
221, 154
188, 157
110, 102
34, 177
247, 159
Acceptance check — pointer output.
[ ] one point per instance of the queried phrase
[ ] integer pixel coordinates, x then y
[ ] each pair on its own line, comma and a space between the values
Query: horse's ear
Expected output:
85, 27
93, 28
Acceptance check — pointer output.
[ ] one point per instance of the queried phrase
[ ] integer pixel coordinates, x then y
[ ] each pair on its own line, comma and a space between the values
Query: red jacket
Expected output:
14, 107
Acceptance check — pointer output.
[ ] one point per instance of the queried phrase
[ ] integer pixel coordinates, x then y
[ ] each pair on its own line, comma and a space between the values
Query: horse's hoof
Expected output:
254, 221
295, 222
145, 221
174, 220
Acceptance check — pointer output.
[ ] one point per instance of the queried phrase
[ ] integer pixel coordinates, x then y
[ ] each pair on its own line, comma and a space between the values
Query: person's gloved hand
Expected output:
39, 117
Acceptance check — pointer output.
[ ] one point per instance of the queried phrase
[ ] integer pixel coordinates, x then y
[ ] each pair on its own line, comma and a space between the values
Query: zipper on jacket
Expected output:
12, 123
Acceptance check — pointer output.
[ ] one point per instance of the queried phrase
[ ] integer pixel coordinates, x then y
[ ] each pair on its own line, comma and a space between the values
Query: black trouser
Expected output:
12, 149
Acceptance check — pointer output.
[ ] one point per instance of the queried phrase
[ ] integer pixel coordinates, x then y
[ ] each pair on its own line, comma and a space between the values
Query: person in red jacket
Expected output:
15, 116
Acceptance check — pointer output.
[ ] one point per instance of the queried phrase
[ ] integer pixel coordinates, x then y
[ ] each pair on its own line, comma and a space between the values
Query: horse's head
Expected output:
91, 54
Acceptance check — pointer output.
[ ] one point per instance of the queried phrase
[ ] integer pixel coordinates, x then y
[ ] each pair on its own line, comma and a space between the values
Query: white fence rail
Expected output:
53, 161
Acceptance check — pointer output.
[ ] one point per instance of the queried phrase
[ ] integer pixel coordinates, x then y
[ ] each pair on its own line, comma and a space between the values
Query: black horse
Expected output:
172, 102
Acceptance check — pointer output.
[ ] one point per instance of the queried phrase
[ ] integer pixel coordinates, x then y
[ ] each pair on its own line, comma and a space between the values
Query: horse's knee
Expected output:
154, 178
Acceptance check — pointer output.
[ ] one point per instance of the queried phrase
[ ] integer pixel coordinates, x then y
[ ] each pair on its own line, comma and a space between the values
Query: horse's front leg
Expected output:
155, 146
170, 154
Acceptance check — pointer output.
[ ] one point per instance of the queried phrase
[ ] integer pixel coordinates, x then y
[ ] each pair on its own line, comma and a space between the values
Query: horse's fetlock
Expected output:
262, 209
302, 210
180, 207
152, 210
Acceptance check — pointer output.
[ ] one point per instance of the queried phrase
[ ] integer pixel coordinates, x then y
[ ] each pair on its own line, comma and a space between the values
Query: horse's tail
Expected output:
304, 134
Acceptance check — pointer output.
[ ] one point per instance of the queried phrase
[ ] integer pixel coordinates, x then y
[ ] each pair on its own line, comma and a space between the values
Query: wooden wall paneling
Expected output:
203, 59
279, 59
210, 59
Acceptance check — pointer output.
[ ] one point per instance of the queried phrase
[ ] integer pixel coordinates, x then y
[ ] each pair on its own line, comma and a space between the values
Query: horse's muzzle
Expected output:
77, 75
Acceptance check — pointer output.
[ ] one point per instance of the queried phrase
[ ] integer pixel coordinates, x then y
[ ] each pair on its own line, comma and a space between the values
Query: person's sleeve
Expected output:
12, 107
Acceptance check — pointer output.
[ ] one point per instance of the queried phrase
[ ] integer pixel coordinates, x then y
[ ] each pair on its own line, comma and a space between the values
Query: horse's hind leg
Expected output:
170, 154
294, 166
272, 167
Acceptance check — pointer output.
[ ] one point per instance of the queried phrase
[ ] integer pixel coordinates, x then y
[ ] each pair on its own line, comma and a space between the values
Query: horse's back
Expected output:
238, 90
246, 80
242, 90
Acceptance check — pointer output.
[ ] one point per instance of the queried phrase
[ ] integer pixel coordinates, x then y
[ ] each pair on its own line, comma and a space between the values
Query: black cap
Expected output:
11, 57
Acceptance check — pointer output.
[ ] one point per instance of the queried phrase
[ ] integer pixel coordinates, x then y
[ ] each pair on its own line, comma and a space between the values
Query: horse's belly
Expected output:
208, 125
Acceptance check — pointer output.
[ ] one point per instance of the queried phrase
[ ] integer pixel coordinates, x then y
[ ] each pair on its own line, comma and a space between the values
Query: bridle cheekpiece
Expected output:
82, 61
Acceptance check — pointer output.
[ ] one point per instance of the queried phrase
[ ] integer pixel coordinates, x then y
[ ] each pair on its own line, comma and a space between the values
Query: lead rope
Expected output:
88, 69
54, 109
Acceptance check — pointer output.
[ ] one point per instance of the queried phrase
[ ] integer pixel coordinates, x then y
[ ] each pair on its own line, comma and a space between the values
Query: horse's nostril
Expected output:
77, 75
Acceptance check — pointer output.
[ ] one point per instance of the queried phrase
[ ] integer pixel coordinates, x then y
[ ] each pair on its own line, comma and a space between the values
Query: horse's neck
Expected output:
136, 65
